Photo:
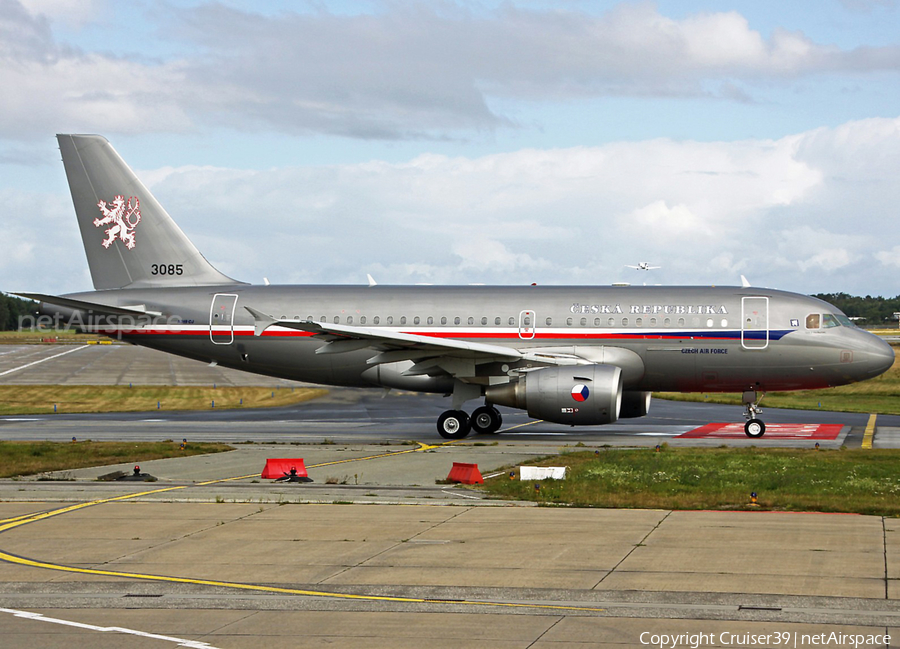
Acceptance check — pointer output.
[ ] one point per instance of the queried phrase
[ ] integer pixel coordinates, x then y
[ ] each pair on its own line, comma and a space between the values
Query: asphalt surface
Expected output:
211, 555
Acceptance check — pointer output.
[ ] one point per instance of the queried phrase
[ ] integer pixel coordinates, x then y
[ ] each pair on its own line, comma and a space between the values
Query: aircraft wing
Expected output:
340, 335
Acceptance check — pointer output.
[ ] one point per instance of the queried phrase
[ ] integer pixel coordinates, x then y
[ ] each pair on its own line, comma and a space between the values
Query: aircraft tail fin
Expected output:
129, 239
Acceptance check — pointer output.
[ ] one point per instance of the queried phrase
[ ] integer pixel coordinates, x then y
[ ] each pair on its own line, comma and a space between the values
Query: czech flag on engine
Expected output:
580, 392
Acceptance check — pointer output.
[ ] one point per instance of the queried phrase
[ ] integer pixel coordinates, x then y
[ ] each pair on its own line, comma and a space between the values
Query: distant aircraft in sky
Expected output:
643, 265
574, 355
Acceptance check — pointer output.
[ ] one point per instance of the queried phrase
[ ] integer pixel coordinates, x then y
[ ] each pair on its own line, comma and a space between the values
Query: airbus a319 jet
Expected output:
574, 355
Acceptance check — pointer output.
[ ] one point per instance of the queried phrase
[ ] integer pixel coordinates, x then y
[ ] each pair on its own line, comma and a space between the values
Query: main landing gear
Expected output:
456, 424
754, 427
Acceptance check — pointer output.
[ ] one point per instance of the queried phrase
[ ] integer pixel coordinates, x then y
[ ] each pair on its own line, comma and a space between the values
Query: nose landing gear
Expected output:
754, 427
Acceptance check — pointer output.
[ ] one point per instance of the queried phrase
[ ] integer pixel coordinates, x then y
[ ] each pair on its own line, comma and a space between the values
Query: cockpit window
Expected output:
844, 320
812, 321
829, 320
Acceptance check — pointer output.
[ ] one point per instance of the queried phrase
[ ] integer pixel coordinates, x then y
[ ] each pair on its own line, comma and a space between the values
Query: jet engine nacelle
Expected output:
578, 395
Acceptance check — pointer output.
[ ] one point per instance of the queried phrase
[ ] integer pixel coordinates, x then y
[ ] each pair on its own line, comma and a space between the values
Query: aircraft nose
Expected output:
877, 356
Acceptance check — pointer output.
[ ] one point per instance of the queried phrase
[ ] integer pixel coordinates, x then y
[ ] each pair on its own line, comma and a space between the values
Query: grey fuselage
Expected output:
684, 339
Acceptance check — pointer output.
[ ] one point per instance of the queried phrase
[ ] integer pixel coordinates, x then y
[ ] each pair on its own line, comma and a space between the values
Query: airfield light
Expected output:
754, 499
512, 475
137, 469
73, 439
817, 446
537, 486
658, 448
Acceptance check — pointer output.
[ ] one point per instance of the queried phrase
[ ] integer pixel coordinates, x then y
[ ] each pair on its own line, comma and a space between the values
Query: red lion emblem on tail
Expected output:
124, 218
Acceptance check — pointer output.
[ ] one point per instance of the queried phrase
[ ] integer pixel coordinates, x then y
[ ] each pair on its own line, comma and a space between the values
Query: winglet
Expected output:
261, 321
371, 279
744, 282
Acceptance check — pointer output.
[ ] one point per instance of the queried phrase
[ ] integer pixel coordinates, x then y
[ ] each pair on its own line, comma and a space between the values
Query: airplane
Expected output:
572, 355
643, 265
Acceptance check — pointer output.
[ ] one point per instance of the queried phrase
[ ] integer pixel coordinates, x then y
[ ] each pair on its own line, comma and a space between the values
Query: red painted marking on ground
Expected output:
773, 431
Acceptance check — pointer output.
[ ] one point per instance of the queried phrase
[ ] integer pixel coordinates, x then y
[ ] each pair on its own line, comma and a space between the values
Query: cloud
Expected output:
401, 71
813, 211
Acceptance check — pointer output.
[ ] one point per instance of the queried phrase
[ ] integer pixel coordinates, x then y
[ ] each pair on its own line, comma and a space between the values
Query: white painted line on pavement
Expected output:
37, 617
49, 358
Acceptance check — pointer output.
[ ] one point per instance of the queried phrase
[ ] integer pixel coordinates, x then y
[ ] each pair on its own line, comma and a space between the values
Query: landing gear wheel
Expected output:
486, 419
755, 428
453, 424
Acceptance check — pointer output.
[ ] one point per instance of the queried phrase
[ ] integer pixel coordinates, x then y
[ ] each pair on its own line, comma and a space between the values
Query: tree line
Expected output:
876, 310
11, 308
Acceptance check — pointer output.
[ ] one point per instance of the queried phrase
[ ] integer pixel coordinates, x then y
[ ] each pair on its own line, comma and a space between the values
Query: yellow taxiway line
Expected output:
18, 521
869, 435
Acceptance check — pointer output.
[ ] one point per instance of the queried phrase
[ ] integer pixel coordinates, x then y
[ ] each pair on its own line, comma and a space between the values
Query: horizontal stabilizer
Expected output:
80, 305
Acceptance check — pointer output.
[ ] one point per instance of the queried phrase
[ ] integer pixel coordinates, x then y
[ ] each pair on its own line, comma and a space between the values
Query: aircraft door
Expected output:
754, 322
221, 318
527, 322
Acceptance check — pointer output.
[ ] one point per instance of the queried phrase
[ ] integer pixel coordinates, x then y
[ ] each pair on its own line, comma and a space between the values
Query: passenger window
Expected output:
403, 319
639, 322
362, 320
443, 319
583, 322
376, 320
323, 319
624, 322
390, 319
549, 321
680, 322
829, 321
337, 319
709, 322
349, 319
812, 321
667, 322
611, 322
568, 322
652, 322
596, 322
456, 320
471, 320
430, 320
417, 320
483, 320
724, 323
497, 320
512, 321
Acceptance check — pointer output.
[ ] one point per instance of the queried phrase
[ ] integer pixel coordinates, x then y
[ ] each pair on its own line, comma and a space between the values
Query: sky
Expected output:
458, 142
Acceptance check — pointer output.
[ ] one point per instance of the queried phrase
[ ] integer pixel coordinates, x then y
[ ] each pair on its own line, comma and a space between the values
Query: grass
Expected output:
29, 458
880, 395
850, 481
40, 399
